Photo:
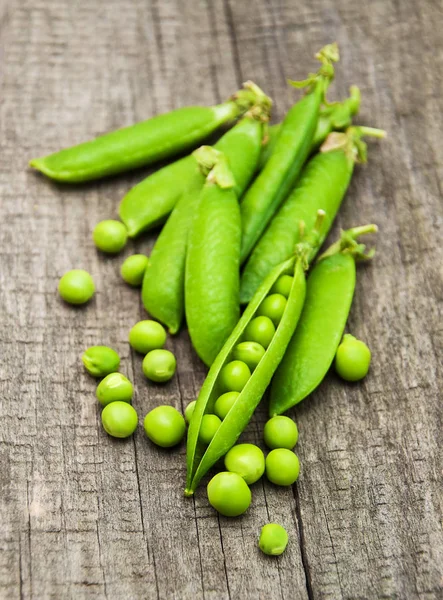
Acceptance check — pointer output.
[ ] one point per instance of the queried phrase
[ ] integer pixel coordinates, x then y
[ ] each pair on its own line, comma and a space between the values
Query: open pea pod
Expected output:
200, 458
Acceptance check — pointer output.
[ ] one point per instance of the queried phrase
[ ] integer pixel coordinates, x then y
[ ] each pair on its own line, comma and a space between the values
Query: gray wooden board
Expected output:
86, 516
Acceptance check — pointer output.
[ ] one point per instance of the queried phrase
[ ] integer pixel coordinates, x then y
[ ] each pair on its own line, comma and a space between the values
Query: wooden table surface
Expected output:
86, 516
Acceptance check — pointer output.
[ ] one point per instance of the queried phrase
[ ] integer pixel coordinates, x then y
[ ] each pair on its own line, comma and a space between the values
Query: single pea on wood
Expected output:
229, 494
100, 360
147, 335
110, 236
352, 359
114, 387
165, 426
133, 269
159, 365
273, 539
76, 287
119, 419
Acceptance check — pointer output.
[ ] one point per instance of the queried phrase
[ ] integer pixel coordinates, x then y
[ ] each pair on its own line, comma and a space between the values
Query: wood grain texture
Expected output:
86, 516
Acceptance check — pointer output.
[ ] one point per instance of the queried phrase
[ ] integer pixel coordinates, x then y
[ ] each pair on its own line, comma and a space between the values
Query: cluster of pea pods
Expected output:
242, 222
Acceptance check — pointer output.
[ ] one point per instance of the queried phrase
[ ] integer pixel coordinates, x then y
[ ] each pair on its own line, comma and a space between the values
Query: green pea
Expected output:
209, 426
250, 353
146, 336
110, 236
76, 286
100, 360
273, 539
119, 419
246, 460
229, 494
114, 387
224, 403
234, 376
283, 285
165, 426
159, 365
353, 359
280, 432
260, 330
133, 269
282, 467
273, 306
189, 411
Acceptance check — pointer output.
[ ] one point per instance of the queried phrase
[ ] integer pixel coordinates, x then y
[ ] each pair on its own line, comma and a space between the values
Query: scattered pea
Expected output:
353, 359
209, 426
189, 411
250, 353
273, 539
224, 403
234, 376
247, 460
282, 467
100, 360
119, 419
76, 286
165, 426
159, 365
110, 236
283, 285
114, 387
260, 330
147, 335
273, 306
133, 269
280, 432
229, 494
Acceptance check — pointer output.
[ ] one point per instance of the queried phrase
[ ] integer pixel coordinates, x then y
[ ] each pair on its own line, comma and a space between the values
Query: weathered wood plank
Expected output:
86, 516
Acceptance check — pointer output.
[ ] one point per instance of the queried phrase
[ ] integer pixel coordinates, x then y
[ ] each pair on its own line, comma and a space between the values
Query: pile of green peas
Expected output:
247, 355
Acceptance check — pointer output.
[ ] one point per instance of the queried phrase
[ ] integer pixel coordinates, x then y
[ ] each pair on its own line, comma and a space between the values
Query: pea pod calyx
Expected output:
214, 166
351, 142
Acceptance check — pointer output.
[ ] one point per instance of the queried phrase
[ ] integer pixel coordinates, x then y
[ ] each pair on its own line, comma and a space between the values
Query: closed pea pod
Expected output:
212, 264
322, 185
333, 117
163, 285
141, 144
149, 203
311, 351
290, 152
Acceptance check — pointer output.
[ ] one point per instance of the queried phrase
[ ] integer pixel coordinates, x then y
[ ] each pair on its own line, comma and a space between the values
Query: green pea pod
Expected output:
290, 152
212, 279
330, 289
163, 284
321, 186
333, 117
199, 458
149, 203
143, 143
